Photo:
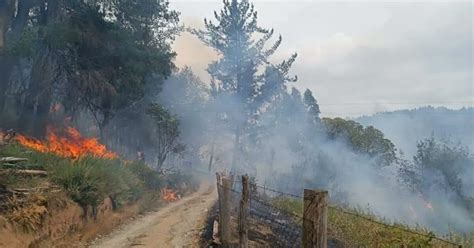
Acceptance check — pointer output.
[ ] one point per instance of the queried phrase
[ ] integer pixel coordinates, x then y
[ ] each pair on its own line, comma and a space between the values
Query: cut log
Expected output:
34, 189
24, 172
12, 159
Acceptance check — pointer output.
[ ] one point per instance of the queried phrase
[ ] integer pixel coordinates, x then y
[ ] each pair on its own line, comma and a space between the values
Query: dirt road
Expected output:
175, 225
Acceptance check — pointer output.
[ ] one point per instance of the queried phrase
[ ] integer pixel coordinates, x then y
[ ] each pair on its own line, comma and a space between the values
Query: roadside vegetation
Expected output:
87, 181
359, 227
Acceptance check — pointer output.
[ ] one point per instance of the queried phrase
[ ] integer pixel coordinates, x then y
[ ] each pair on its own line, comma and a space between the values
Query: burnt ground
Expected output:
267, 228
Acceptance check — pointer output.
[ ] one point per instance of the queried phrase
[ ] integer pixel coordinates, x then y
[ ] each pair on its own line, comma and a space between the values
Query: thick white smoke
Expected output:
284, 152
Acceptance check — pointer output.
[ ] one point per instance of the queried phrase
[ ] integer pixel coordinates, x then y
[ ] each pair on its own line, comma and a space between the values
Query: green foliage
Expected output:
236, 36
467, 240
364, 140
89, 180
181, 181
150, 178
84, 181
447, 160
166, 133
121, 184
312, 106
25, 45
98, 56
36, 160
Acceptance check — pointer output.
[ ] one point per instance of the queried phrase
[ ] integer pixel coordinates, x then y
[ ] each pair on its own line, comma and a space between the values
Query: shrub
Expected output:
83, 180
89, 180
150, 178
181, 181
121, 185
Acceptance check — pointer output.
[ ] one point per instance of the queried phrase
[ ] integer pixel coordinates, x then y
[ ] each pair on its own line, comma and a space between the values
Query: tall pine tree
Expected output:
312, 107
244, 53
233, 36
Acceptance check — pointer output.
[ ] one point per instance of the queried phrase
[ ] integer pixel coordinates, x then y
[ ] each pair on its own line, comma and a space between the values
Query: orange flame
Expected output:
168, 195
55, 108
71, 145
428, 205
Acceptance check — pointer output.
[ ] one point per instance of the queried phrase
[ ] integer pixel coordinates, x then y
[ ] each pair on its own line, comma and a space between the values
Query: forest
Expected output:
107, 68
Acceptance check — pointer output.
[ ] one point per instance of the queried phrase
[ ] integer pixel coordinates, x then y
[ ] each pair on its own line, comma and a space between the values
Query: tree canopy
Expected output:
242, 46
364, 140
89, 56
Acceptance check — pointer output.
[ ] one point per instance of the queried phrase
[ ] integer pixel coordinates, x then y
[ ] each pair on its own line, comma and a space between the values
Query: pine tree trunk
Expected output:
6, 14
236, 151
6, 67
35, 112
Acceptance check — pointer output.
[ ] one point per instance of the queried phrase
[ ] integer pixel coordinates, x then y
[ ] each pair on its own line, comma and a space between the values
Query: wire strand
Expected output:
339, 209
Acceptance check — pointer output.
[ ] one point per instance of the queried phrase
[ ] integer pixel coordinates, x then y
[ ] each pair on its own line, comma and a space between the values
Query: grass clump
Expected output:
36, 160
151, 179
88, 181
27, 213
83, 180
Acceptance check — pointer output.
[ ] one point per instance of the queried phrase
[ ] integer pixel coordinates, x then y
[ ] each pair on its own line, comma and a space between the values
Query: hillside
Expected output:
406, 127
49, 199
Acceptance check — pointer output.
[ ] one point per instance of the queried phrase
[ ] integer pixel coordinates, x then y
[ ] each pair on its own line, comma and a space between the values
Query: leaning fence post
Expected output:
315, 219
225, 211
243, 213
219, 201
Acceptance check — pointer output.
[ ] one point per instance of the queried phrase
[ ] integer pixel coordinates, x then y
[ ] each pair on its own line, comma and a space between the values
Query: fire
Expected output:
169, 195
71, 144
428, 205
55, 108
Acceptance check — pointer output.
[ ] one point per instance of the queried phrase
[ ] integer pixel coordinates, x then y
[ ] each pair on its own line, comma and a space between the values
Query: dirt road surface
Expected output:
175, 225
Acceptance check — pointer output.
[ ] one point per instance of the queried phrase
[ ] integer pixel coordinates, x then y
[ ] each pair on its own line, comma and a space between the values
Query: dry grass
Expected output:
354, 231
27, 212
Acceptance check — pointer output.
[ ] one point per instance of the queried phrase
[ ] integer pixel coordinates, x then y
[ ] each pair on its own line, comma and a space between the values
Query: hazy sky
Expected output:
360, 57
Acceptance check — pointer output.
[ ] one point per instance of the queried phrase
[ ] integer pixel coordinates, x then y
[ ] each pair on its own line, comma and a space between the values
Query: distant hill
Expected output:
406, 127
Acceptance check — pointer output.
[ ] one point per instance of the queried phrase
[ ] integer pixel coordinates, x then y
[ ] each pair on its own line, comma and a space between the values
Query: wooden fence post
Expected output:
315, 219
225, 211
219, 202
243, 214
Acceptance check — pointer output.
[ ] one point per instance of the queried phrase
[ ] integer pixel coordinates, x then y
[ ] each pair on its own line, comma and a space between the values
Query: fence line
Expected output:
333, 207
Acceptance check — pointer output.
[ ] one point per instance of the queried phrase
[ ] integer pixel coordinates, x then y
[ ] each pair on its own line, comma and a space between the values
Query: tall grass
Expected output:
88, 180
354, 231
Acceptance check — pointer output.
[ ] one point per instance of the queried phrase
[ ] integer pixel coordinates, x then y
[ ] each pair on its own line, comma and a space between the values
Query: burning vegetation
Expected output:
66, 143
169, 195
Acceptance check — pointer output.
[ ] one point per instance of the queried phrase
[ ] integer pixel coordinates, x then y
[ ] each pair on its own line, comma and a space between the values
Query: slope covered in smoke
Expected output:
250, 119
406, 127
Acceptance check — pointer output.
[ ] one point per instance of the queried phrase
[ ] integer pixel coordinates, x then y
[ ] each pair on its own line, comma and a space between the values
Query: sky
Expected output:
358, 57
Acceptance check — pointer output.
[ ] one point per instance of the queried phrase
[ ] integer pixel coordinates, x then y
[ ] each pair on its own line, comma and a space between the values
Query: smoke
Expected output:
284, 151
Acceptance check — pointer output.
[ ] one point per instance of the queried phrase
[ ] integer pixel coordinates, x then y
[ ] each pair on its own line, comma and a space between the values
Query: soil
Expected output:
177, 224
64, 225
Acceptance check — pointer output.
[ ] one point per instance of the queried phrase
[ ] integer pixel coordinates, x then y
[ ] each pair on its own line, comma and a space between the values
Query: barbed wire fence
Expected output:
250, 216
